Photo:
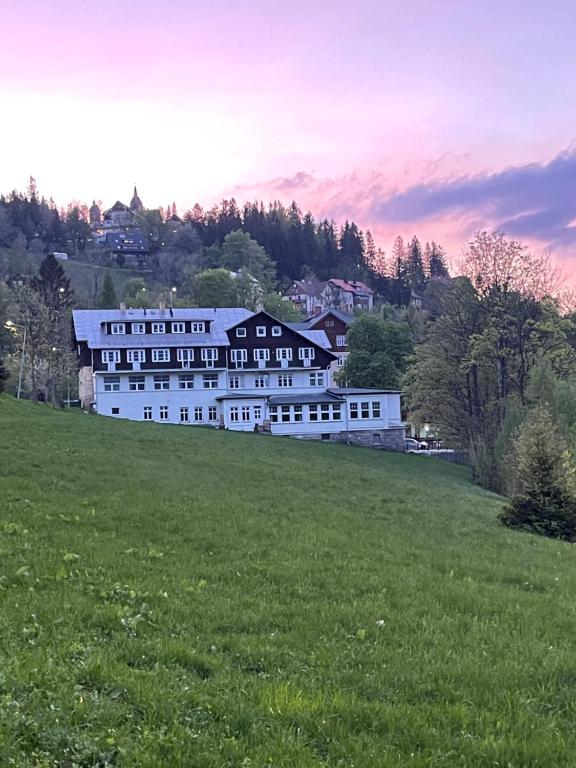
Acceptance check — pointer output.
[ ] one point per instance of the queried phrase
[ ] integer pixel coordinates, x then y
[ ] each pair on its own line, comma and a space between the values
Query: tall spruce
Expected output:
415, 266
437, 262
544, 502
52, 284
108, 298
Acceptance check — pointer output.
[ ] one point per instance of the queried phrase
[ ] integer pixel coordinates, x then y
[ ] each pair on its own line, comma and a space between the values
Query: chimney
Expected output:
162, 306
317, 310
123, 308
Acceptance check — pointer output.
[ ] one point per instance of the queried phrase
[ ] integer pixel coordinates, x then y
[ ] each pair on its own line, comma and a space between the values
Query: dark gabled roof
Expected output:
345, 318
352, 286
130, 241
312, 397
309, 287
242, 397
118, 207
318, 338
341, 391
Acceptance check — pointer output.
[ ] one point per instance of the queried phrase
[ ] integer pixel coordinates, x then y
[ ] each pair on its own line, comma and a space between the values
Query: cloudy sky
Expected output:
434, 117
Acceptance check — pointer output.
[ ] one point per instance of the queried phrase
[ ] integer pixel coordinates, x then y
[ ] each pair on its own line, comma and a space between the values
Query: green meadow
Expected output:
179, 596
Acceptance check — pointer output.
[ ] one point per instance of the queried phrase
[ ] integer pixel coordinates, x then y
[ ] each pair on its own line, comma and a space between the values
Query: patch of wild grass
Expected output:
186, 597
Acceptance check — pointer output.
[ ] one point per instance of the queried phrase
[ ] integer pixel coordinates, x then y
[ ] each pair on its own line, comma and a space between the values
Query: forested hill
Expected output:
297, 244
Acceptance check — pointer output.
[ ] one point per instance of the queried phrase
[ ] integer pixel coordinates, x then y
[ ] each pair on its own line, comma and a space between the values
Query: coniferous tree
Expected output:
52, 284
108, 298
437, 262
415, 265
544, 502
400, 287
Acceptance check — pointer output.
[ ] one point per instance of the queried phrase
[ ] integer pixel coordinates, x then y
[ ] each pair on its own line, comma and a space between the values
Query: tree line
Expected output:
295, 244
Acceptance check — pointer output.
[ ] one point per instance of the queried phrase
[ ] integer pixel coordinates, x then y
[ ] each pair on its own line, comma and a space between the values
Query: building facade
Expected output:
227, 368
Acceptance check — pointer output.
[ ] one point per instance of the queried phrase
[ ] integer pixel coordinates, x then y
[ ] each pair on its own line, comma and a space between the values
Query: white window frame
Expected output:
158, 327
376, 409
285, 381
118, 329
184, 414
198, 414
212, 383
313, 412
234, 414
257, 412
147, 413
264, 378
260, 353
260, 331
283, 353
240, 333
138, 328
239, 356
136, 386
110, 355
160, 383
212, 413
136, 355
186, 381
306, 353
245, 413
160, 355
316, 379
276, 330
185, 355
209, 356
198, 327
341, 340
113, 384
235, 382
354, 410
178, 327
163, 413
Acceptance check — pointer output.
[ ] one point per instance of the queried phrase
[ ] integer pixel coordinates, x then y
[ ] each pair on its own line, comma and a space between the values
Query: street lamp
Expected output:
172, 294
12, 327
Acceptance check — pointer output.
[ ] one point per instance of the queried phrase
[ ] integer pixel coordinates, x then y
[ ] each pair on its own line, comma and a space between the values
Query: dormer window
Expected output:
260, 330
178, 327
198, 327
158, 327
138, 328
276, 330
241, 333
118, 328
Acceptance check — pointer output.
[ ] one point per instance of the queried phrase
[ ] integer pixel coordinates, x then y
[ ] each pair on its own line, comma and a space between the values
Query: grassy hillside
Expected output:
173, 596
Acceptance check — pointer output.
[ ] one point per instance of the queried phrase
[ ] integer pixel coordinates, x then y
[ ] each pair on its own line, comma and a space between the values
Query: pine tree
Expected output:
415, 265
108, 298
544, 502
437, 263
52, 284
400, 288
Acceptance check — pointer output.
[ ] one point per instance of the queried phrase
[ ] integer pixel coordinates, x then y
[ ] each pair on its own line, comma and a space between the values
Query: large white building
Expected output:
228, 368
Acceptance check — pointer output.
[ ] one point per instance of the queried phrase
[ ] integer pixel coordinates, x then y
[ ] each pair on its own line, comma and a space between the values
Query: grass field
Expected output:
173, 596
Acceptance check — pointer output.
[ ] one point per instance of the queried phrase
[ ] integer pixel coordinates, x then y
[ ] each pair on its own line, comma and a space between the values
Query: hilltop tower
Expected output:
136, 203
94, 214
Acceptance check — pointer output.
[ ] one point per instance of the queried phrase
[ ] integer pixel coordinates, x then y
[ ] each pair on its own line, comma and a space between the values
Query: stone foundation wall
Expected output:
386, 439
86, 387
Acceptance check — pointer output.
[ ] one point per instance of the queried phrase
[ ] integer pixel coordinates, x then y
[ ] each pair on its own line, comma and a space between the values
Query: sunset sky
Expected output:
431, 118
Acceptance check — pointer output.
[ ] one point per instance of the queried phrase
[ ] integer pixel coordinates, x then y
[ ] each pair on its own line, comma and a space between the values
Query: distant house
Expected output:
227, 368
347, 295
306, 295
126, 247
120, 215
335, 325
